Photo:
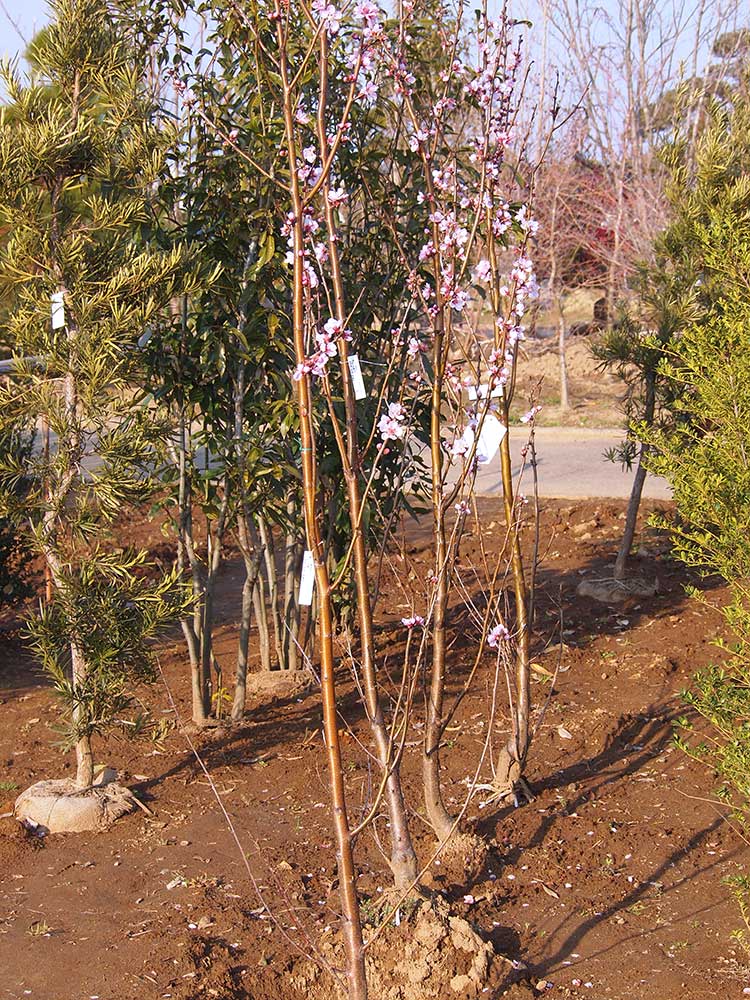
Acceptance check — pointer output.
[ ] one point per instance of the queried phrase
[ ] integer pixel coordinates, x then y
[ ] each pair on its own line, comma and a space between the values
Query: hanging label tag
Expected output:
58, 310
480, 391
306, 580
356, 373
490, 437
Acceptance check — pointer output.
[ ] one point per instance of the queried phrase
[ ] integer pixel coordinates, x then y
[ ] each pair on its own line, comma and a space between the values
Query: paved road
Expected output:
571, 464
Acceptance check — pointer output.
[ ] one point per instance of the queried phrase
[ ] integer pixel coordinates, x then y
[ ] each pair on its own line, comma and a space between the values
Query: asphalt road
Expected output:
571, 465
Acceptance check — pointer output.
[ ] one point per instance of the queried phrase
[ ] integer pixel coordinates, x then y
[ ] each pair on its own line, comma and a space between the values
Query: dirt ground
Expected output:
609, 884
595, 396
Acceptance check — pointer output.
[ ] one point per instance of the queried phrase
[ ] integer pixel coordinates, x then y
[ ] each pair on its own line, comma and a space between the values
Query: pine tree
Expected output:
81, 148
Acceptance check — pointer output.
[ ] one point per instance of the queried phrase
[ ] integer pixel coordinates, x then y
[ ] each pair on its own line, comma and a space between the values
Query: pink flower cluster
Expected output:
498, 634
529, 416
310, 233
326, 340
391, 424
328, 15
412, 621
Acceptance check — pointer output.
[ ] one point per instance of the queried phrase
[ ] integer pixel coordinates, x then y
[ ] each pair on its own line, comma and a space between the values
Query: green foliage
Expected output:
82, 146
705, 453
637, 342
15, 443
114, 611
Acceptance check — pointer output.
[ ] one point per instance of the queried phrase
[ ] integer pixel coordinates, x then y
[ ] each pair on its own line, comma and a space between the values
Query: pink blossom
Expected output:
333, 327
368, 13
369, 91
391, 423
329, 15
530, 415
498, 634
415, 347
337, 196
482, 271
412, 621
459, 300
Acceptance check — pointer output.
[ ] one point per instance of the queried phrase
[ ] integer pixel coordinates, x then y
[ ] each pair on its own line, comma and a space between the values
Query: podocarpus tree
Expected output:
634, 348
80, 149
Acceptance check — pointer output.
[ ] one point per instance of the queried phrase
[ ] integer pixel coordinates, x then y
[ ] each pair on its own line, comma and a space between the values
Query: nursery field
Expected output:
608, 884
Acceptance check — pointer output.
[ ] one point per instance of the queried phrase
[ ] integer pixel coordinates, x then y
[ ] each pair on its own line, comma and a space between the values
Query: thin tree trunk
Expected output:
564, 398
261, 617
252, 568
84, 755
292, 556
439, 817
350, 916
403, 860
513, 757
634, 503
187, 557
243, 648
269, 555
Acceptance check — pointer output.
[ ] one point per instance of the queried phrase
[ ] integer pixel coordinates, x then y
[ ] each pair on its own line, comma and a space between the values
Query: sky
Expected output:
28, 15
19, 19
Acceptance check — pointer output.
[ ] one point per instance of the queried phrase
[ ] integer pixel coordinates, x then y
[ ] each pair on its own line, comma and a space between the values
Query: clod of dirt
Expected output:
463, 858
609, 591
216, 970
15, 839
584, 529
278, 683
59, 806
432, 954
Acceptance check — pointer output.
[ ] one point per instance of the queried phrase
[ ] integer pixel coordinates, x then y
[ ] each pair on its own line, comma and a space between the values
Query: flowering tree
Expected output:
476, 240
387, 149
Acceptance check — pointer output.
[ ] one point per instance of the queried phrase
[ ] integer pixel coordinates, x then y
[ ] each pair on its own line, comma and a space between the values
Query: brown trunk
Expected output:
292, 556
403, 859
252, 568
519, 744
350, 917
634, 503
84, 757
439, 817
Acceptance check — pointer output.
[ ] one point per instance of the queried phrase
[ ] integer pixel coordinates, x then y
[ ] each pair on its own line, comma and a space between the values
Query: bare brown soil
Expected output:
609, 884
595, 396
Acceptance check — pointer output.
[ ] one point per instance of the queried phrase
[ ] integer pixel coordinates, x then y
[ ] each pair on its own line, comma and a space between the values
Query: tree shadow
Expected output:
641, 737
636, 894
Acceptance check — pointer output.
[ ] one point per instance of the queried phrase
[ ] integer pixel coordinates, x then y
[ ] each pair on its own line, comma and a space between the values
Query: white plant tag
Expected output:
355, 371
491, 435
480, 391
58, 310
307, 579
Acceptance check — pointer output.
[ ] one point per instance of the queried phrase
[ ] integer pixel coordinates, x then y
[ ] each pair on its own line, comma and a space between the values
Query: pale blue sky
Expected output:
29, 15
